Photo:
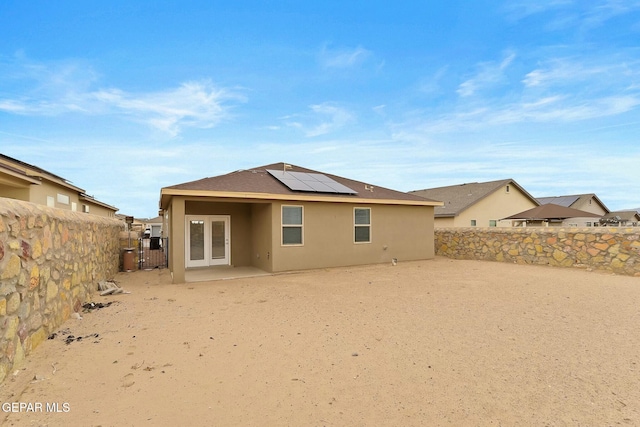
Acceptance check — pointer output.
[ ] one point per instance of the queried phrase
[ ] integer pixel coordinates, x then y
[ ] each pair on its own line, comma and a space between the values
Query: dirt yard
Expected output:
438, 343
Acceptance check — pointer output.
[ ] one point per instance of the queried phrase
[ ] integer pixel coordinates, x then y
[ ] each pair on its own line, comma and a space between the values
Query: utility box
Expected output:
128, 259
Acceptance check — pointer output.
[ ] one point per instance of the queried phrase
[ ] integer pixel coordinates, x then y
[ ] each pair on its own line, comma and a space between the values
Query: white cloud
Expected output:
343, 58
552, 109
519, 9
55, 89
566, 14
489, 74
325, 118
13, 106
192, 104
432, 84
558, 90
565, 71
604, 10
334, 118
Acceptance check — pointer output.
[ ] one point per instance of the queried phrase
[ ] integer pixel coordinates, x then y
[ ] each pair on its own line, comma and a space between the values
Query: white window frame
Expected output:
63, 199
362, 225
283, 225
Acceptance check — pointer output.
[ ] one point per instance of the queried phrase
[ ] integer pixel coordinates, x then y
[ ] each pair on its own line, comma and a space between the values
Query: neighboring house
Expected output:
478, 204
22, 181
621, 218
133, 224
551, 215
154, 226
584, 202
281, 217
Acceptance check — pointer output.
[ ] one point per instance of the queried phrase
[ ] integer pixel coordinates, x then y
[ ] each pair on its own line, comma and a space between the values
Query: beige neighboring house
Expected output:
22, 181
153, 226
583, 202
629, 218
478, 204
282, 217
551, 215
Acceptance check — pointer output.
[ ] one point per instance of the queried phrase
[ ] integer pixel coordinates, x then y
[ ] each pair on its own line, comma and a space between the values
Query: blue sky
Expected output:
124, 97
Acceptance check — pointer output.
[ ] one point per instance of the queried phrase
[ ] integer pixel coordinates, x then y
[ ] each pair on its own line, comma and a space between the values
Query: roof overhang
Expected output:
167, 193
89, 199
16, 179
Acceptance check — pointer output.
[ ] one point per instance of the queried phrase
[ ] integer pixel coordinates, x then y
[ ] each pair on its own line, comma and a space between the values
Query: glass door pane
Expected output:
218, 240
196, 240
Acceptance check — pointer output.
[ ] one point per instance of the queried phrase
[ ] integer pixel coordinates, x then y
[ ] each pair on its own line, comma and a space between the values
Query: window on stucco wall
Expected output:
362, 225
292, 225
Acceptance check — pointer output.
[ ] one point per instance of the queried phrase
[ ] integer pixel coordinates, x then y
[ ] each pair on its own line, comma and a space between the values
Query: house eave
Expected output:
89, 199
167, 193
15, 179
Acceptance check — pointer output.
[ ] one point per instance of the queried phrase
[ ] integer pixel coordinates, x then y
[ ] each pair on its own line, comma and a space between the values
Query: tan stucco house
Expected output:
282, 217
22, 181
585, 202
478, 204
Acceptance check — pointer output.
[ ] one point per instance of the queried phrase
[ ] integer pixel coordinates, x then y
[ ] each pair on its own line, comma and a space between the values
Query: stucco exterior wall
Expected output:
604, 248
51, 261
589, 205
69, 200
401, 232
444, 222
19, 193
262, 242
499, 204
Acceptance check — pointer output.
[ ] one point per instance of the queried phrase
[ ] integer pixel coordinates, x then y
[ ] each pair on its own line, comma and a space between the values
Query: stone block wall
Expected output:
603, 248
51, 261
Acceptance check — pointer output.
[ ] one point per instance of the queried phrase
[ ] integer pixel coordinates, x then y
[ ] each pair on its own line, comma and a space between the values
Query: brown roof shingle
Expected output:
258, 180
550, 211
459, 197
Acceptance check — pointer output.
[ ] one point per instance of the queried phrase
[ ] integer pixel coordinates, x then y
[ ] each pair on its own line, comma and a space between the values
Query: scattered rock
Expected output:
90, 306
69, 337
110, 288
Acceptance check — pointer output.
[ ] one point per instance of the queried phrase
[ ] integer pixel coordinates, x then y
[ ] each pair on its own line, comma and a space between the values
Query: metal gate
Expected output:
153, 252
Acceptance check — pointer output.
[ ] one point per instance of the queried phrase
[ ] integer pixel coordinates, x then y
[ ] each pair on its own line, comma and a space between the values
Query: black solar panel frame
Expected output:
310, 182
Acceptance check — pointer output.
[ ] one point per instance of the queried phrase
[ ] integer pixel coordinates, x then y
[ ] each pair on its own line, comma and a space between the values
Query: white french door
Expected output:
208, 240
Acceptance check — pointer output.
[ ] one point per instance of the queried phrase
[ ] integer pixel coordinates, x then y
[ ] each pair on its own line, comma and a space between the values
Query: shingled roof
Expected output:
630, 215
459, 197
550, 211
258, 183
572, 201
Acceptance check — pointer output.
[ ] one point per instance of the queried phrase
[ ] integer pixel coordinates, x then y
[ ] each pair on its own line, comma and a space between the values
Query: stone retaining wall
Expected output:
603, 248
50, 263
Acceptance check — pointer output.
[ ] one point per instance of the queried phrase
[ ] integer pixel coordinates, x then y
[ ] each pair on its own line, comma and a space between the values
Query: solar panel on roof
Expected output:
313, 182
